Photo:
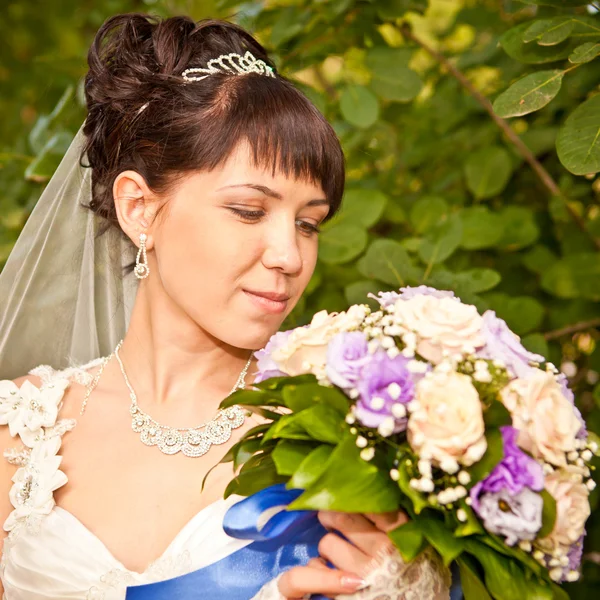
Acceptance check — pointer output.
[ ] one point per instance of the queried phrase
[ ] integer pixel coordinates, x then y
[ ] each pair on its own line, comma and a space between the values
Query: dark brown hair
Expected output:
143, 116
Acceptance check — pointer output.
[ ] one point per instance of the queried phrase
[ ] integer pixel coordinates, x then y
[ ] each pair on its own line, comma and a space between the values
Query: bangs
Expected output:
286, 132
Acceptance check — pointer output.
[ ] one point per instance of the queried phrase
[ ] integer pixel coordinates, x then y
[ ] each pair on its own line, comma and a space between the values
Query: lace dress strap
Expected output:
32, 414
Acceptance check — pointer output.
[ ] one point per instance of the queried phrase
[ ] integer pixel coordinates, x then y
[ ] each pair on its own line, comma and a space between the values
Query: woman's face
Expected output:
236, 248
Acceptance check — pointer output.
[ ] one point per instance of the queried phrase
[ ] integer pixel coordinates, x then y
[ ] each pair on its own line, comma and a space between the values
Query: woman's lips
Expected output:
266, 304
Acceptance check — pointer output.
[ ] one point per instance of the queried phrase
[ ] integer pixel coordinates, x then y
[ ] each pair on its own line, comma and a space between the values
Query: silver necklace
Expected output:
191, 441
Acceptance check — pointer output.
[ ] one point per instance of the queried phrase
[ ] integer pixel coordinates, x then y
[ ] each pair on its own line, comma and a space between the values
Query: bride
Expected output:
189, 229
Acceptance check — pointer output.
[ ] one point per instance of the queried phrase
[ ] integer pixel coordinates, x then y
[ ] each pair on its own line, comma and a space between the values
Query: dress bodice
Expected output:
49, 553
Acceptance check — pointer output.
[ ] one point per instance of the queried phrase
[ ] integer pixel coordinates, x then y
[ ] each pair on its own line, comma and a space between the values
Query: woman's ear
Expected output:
135, 205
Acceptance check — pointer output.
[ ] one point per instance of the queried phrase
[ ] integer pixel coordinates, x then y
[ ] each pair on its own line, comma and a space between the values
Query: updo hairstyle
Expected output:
143, 116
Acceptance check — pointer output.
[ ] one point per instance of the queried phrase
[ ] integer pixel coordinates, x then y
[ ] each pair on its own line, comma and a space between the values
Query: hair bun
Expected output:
137, 57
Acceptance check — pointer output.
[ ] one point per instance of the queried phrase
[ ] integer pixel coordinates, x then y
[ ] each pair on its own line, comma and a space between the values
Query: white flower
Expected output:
29, 408
32, 493
441, 325
447, 423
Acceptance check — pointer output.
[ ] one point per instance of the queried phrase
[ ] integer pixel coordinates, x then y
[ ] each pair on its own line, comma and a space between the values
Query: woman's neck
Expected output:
169, 358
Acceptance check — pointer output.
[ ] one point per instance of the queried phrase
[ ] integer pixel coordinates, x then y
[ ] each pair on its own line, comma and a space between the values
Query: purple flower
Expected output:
575, 553
424, 290
375, 403
347, 353
266, 365
516, 471
516, 517
389, 298
502, 344
563, 380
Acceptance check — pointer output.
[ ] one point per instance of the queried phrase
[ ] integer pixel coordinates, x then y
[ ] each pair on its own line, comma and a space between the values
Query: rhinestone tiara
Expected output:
233, 63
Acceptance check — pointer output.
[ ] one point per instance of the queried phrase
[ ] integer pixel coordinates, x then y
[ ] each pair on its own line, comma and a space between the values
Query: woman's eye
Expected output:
256, 215
250, 215
307, 227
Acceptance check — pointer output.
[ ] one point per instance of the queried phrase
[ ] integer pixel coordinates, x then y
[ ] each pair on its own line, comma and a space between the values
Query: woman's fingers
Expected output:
387, 521
317, 563
344, 555
299, 581
359, 530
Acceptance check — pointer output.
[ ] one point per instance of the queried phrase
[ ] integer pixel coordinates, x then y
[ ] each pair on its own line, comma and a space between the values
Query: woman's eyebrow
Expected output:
272, 193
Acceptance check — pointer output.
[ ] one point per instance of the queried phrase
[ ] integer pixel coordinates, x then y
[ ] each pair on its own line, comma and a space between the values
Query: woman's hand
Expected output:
353, 559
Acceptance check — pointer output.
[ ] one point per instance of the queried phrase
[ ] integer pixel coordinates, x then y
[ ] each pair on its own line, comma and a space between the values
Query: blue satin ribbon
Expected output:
282, 539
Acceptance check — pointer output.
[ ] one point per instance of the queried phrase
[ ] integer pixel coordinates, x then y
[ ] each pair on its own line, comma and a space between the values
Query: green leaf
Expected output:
496, 415
398, 85
341, 243
488, 171
481, 228
409, 540
522, 313
515, 47
557, 3
45, 163
289, 454
473, 587
254, 480
356, 293
504, 577
548, 514
300, 397
471, 526
387, 261
442, 539
359, 106
539, 259
493, 455
350, 484
362, 207
417, 498
578, 141
441, 241
585, 53
535, 342
475, 281
311, 468
427, 212
575, 276
549, 32
275, 384
529, 94
520, 228
384, 58
249, 397
319, 422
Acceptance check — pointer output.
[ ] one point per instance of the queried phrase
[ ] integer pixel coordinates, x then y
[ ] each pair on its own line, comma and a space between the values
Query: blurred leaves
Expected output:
436, 192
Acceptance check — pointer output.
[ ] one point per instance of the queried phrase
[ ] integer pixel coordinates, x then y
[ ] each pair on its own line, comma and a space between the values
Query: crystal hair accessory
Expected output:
233, 63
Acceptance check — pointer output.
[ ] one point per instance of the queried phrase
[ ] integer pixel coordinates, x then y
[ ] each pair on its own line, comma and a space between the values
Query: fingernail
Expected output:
353, 583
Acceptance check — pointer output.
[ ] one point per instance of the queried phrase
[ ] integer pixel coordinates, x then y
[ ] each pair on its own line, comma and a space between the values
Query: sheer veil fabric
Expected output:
64, 297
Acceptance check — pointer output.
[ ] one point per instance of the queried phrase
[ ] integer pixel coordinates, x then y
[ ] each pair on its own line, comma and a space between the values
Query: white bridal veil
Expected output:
64, 298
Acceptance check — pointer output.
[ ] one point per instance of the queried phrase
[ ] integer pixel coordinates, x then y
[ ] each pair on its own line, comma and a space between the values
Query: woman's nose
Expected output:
282, 250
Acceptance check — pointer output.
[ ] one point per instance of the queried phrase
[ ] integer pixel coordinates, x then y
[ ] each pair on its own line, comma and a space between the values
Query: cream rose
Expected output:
441, 324
306, 347
446, 425
546, 420
572, 509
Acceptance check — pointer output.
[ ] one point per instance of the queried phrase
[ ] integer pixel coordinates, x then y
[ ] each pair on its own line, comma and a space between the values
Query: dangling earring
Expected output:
142, 270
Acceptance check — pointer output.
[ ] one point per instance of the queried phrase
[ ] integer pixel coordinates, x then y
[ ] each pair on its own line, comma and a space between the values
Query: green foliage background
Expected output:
500, 204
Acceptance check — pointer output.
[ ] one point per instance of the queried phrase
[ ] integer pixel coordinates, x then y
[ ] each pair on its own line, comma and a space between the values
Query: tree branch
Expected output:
570, 329
525, 152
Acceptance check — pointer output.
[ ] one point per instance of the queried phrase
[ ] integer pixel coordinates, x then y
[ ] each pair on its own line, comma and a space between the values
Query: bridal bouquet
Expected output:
427, 406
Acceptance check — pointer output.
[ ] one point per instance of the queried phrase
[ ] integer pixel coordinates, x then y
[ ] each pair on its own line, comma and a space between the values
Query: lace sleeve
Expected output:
425, 578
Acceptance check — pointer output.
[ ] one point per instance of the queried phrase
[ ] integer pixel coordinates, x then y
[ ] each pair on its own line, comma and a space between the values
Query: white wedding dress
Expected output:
50, 555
